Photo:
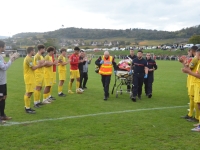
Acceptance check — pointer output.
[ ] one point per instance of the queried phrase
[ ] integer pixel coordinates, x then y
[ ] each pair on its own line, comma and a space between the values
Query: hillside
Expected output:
138, 34
3, 37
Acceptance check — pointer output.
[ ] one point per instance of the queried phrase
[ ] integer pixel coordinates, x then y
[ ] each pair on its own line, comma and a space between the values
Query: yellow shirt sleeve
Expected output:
47, 58
29, 62
36, 59
193, 63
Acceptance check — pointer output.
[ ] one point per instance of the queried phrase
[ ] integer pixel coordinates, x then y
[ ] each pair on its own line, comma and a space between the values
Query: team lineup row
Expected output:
41, 71
191, 65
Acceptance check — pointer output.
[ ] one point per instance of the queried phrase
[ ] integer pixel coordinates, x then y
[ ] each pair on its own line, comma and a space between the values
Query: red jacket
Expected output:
74, 61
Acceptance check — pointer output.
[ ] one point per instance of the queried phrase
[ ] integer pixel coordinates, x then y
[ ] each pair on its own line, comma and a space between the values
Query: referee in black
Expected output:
151, 64
140, 72
132, 57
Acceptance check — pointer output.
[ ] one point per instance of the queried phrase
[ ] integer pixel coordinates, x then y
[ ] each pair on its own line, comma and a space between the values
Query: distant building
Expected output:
94, 43
108, 44
8, 47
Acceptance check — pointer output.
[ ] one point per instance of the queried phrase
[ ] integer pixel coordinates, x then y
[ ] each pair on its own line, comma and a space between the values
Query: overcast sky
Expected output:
47, 15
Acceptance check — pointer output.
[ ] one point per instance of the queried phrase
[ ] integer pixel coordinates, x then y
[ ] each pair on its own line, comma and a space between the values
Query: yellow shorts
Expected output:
191, 89
54, 77
48, 81
197, 93
62, 75
39, 79
30, 88
74, 74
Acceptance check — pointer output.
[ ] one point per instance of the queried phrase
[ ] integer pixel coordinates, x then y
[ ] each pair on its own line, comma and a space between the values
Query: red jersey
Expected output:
54, 66
74, 61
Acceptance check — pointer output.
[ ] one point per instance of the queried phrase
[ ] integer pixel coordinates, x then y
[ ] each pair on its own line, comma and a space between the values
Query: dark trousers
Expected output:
2, 107
148, 84
3, 91
81, 78
105, 79
138, 79
85, 78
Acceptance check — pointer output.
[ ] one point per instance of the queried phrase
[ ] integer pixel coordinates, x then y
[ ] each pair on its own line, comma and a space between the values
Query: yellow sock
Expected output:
26, 101
60, 88
36, 95
196, 110
190, 114
48, 94
39, 95
77, 84
45, 96
29, 102
50, 90
70, 86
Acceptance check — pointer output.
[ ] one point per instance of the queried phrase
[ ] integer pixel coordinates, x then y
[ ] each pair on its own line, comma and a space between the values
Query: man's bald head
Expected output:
106, 54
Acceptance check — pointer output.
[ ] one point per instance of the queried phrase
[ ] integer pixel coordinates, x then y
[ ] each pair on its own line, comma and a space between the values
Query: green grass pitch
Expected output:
118, 123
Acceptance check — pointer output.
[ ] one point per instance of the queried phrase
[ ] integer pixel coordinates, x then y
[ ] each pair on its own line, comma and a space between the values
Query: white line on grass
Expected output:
89, 115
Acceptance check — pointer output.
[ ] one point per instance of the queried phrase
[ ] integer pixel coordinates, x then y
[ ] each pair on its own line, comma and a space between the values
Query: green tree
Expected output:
52, 42
121, 42
195, 39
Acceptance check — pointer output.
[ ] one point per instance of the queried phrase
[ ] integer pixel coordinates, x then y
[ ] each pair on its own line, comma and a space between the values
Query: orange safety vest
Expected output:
106, 67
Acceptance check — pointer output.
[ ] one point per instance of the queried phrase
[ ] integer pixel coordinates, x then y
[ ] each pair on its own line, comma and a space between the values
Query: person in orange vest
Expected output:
106, 64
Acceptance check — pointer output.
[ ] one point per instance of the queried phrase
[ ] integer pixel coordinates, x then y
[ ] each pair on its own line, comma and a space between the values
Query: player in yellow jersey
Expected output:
192, 65
196, 82
62, 71
29, 78
39, 74
54, 56
48, 74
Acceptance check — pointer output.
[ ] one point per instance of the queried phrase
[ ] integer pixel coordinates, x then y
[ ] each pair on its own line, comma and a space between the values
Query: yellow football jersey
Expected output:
37, 58
61, 67
192, 78
197, 80
29, 77
48, 71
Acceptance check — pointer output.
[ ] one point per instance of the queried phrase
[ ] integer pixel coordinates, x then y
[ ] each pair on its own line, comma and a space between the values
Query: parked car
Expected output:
122, 49
188, 45
198, 45
154, 47
168, 47
69, 50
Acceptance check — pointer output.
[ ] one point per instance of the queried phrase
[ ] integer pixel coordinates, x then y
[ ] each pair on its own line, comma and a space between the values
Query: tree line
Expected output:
138, 34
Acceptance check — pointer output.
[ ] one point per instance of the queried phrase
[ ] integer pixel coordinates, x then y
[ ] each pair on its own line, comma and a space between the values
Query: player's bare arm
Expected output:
188, 71
146, 70
64, 63
36, 67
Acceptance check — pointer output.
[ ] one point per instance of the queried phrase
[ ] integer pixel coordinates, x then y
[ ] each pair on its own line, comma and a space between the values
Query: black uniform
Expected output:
80, 67
132, 57
138, 76
128, 85
105, 79
151, 64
